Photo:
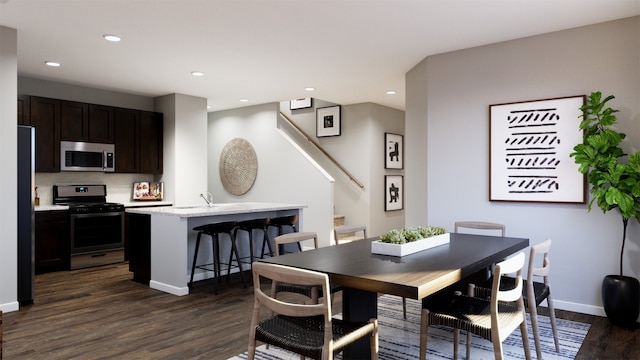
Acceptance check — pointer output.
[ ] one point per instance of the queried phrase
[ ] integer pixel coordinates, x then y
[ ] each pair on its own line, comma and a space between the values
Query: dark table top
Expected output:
413, 276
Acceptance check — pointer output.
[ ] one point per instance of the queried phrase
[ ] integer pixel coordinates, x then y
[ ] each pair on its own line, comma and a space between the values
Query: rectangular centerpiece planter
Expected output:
378, 247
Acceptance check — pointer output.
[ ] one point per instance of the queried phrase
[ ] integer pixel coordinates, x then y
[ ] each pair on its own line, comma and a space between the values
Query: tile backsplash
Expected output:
119, 186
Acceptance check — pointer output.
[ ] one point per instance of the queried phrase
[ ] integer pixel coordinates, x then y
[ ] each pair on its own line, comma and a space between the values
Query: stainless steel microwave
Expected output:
83, 156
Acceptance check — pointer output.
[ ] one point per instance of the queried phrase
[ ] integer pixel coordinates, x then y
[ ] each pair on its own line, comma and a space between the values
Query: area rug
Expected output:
399, 338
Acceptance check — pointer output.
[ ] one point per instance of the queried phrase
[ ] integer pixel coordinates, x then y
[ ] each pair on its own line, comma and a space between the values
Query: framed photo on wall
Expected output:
393, 151
530, 143
328, 121
303, 103
394, 192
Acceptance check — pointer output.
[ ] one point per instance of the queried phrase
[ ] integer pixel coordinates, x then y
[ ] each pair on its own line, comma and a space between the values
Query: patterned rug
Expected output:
399, 338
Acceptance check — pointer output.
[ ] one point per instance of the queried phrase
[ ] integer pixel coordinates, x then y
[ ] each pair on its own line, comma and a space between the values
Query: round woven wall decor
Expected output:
238, 166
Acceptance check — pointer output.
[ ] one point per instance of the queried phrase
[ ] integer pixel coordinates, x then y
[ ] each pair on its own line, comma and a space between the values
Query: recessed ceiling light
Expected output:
52, 63
309, 88
391, 92
112, 38
197, 73
244, 100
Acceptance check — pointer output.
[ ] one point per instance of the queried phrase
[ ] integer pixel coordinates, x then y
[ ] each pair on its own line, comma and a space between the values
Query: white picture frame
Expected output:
530, 143
328, 121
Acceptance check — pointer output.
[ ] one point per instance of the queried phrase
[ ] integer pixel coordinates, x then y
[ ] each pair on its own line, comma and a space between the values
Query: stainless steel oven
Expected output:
96, 226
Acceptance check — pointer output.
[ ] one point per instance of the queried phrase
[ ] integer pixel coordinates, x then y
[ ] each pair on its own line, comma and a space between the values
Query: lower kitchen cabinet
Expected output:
52, 248
138, 239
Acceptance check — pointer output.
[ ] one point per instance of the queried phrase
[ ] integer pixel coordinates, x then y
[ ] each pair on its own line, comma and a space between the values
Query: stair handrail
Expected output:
322, 150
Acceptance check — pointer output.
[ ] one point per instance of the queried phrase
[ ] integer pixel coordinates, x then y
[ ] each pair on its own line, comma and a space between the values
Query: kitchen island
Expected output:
162, 239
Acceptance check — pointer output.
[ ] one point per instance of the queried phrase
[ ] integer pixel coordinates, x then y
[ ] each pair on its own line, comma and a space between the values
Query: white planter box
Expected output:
378, 247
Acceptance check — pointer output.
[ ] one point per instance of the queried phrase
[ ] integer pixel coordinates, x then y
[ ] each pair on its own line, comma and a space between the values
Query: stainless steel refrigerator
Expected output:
26, 215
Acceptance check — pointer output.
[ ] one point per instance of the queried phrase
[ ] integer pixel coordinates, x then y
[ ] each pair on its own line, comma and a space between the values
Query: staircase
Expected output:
338, 220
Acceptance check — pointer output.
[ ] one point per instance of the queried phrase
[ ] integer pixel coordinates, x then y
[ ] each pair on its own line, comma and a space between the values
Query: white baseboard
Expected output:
10, 306
579, 308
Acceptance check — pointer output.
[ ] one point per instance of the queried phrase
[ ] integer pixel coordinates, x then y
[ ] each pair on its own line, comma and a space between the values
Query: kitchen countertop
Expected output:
217, 209
51, 208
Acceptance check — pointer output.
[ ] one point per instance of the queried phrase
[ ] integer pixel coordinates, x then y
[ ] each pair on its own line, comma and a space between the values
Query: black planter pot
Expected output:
621, 299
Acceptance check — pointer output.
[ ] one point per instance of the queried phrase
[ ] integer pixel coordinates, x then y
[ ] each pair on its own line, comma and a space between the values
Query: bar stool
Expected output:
281, 223
214, 231
249, 226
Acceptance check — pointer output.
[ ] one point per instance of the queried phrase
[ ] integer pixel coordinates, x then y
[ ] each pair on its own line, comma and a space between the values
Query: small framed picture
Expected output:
393, 151
394, 192
300, 104
328, 121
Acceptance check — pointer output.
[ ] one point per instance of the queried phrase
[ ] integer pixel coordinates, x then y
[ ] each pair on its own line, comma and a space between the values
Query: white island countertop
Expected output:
189, 211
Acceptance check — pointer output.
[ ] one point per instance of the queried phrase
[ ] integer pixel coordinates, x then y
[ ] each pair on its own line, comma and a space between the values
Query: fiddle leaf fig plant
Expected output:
615, 183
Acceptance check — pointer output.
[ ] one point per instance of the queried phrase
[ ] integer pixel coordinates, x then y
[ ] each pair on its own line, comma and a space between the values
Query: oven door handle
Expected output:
93, 214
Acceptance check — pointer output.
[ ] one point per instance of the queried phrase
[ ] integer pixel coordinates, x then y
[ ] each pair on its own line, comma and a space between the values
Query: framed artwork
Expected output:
530, 143
393, 151
300, 103
393, 192
328, 121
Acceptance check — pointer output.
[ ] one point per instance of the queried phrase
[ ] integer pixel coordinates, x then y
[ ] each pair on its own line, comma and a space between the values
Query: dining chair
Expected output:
534, 292
493, 319
347, 233
306, 329
312, 292
479, 225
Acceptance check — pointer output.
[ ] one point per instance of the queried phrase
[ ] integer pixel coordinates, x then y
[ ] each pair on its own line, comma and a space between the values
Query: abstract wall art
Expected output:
530, 143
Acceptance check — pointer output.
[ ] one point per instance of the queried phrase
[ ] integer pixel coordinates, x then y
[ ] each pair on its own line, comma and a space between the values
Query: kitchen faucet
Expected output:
208, 199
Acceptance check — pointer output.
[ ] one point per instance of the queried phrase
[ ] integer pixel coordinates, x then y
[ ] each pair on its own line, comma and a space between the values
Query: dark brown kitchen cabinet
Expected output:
86, 122
101, 128
24, 110
74, 121
45, 117
127, 130
138, 139
51, 241
151, 135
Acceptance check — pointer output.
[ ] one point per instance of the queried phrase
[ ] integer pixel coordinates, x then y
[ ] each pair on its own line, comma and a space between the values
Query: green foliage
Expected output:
615, 183
411, 234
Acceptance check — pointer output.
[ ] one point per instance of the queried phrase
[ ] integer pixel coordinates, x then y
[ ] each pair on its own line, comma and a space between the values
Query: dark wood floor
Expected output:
100, 313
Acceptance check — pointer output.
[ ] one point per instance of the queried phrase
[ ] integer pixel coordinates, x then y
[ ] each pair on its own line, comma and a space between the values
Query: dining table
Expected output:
363, 275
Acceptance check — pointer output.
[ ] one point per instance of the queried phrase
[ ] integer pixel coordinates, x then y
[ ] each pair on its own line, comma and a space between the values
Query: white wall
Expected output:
284, 175
8, 162
360, 149
456, 90
185, 147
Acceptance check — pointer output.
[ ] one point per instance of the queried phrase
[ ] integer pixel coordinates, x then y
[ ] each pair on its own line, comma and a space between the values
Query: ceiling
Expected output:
350, 51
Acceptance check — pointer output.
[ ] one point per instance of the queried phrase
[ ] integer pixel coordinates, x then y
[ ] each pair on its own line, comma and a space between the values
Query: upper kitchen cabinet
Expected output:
86, 122
24, 110
45, 117
138, 139
101, 128
74, 121
151, 143
127, 135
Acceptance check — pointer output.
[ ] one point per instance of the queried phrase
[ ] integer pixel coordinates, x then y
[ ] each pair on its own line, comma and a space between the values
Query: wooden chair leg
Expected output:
404, 308
552, 317
533, 314
456, 339
525, 340
424, 331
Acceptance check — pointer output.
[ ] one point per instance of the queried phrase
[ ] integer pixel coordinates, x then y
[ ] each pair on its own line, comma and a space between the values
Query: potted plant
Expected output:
615, 184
